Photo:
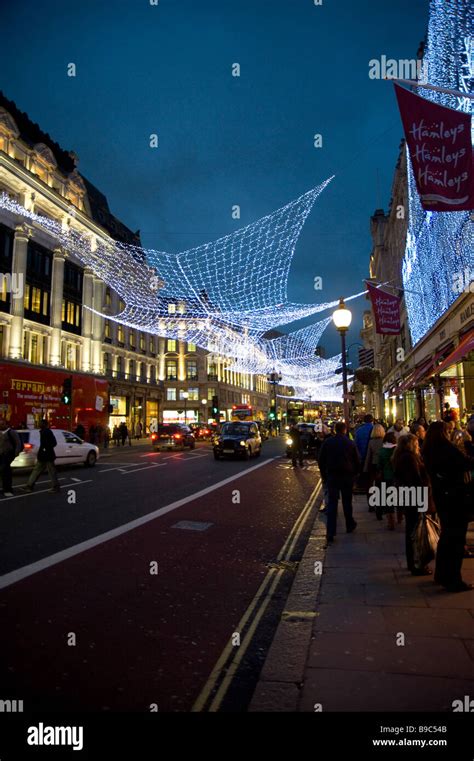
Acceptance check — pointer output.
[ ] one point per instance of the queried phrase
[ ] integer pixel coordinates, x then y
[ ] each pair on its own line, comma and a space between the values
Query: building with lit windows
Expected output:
47, 328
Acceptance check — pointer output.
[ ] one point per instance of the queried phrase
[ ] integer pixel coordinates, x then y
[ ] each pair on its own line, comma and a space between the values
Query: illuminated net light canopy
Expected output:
222, 296
440, 245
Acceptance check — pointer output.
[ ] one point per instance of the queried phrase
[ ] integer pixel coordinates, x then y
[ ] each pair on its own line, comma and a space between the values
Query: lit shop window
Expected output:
171, 344
170, 394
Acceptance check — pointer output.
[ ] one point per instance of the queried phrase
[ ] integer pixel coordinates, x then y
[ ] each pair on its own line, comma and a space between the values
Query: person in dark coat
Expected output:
45, 459
409, 470
449, 470
10, 447
339, 464
123, 432
80, 431
296, 446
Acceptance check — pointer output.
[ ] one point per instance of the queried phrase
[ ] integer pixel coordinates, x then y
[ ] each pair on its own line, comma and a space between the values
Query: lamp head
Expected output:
342, 317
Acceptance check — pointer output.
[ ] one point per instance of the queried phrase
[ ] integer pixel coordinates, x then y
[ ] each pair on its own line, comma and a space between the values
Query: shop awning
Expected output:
463, 348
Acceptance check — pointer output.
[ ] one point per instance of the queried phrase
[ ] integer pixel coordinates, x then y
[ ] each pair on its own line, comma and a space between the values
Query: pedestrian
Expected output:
386, 476
409, 470
339, 464
399, 428
362, 438
449, 469
116, 435
123, 432
10, 447
93, 433
106, 437
418, 430
138, 430
45, 459
370, 464
80, 431
296, 446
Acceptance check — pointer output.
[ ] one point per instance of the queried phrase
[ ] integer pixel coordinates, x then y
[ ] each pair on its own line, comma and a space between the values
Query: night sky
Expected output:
223, 140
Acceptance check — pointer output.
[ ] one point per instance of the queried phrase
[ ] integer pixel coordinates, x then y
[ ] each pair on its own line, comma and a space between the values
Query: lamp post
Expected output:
342, 318
204, 403
185, 397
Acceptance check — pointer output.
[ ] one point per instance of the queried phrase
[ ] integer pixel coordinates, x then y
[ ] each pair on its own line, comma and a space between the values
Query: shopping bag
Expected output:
425, 539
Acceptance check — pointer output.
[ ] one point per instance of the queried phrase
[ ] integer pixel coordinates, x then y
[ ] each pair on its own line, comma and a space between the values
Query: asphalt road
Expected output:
153, 579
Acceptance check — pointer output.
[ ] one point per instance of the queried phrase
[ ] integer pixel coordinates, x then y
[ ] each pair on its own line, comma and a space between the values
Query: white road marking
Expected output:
42, 491
40, 565
147, 467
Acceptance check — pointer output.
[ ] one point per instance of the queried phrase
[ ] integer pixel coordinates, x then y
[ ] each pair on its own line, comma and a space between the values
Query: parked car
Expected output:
309, 439
238, 439
172, 436
70, 449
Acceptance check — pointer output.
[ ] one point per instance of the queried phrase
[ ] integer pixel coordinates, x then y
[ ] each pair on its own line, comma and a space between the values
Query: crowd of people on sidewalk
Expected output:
435, 459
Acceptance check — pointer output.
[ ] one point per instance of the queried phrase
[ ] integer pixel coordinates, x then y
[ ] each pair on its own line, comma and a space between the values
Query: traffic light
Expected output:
272, 413
66, 396
215, 407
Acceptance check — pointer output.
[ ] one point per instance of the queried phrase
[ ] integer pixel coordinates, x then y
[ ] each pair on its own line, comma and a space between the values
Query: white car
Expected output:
70, 449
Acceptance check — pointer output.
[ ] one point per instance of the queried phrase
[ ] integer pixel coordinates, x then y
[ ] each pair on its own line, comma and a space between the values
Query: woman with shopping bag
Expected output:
449, 470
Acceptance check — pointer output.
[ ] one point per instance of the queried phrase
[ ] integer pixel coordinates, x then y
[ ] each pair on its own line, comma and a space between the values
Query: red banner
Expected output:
439, 141
386, 311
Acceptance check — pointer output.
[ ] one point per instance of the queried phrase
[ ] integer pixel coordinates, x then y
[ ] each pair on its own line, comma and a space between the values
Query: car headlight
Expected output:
242, 443
289, 442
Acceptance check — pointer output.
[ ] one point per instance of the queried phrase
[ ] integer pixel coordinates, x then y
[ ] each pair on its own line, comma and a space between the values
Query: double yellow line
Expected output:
229, 661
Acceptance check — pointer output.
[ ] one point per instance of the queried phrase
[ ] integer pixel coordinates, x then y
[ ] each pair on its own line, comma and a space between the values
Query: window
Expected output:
107, 330
121, 305
131, 369
170, 394
191, 370
142, 342
132, 339
108, 297
106, 362
71, 438
34, 354
70, 315
151, 346
121, 335
35, 303
171, 308
171, 344
210, 393
171, 370
193, 394
191, 347
119, 364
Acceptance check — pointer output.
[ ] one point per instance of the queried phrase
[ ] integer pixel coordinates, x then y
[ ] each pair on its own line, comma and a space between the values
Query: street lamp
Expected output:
185, 397
204, 402
342, 318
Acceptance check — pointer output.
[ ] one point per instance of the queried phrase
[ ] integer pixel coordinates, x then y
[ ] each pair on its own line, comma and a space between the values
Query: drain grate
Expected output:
192, 525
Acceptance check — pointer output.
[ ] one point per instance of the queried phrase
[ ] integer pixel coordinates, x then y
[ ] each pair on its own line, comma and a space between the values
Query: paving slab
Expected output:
351, 651
372, 691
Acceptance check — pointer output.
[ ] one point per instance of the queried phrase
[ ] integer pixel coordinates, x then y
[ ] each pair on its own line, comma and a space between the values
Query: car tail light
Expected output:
153, 436
176, 436
27, 446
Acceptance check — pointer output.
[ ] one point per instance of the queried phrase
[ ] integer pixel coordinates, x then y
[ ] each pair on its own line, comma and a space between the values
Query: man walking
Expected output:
339, 464
296, 446
10, 447
45, 459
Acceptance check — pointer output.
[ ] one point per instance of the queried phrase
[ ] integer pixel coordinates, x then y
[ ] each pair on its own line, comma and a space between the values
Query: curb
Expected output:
282, 675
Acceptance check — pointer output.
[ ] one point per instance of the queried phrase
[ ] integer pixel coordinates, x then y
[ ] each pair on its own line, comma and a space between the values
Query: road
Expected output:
153, 579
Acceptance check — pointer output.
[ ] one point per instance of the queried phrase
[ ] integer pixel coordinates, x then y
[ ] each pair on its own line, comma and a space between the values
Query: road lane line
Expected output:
222, 660
40, 491
147, 467
231, 668
40, 565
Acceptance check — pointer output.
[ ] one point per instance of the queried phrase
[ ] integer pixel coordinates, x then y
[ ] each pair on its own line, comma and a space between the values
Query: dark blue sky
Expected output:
143, 69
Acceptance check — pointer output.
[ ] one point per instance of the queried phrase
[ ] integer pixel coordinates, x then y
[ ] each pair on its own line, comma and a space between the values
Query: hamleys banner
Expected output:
439, 141
386, 308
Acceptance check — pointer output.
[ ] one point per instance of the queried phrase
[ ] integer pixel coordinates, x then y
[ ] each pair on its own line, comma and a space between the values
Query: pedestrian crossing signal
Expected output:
66, 396
215, 406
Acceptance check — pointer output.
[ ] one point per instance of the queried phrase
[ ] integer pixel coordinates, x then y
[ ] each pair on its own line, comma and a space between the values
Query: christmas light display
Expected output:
440, 245
222, 296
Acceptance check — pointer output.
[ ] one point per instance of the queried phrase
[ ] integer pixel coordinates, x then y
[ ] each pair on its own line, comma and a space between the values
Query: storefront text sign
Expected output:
386, 308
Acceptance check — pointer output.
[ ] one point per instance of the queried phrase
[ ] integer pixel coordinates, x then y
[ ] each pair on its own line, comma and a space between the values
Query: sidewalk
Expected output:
336, 644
